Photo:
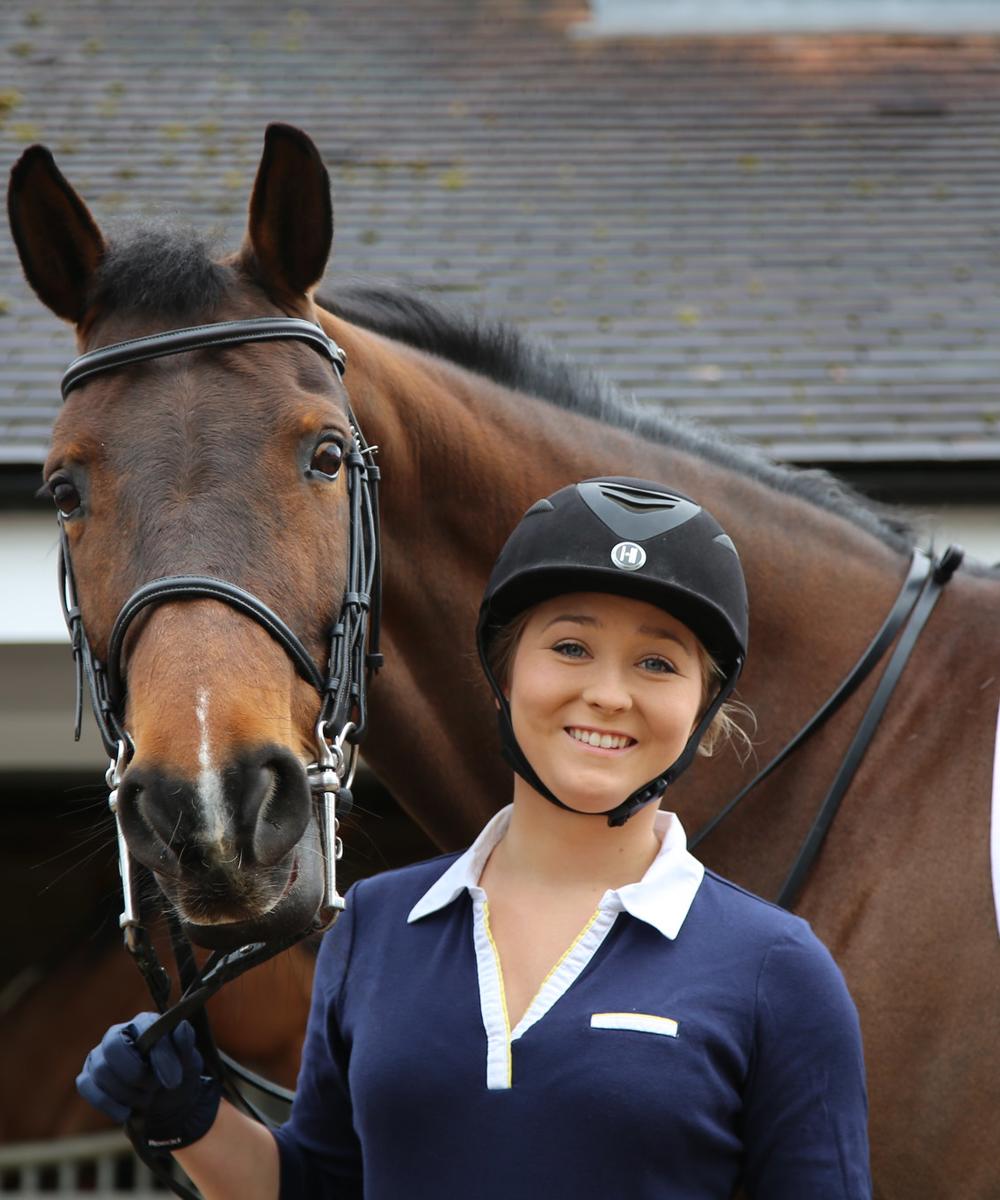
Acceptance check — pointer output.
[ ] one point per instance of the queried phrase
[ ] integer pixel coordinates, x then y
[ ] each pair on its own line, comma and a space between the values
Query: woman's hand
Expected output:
166, 1088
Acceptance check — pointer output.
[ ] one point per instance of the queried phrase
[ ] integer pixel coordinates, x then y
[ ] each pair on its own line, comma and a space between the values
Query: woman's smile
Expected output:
596, 739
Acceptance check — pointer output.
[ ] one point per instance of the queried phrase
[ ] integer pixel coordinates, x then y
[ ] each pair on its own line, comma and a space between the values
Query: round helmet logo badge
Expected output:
629, 556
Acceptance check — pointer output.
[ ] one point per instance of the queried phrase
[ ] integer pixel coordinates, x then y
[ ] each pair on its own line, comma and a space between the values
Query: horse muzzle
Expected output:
234, 847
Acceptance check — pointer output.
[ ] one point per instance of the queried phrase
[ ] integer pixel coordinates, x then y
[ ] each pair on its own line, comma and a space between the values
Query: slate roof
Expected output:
796, 238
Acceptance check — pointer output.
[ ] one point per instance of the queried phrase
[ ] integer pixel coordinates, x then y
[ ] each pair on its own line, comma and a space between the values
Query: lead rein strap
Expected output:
219, 970
198, 987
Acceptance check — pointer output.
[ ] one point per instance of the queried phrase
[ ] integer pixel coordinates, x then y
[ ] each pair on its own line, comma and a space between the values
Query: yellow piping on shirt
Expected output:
567, 952
503, 991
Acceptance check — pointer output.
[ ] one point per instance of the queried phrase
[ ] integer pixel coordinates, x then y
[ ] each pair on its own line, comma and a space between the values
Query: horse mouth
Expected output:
218, 924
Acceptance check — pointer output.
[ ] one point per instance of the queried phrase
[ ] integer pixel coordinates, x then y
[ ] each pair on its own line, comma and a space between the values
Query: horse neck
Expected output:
462, 458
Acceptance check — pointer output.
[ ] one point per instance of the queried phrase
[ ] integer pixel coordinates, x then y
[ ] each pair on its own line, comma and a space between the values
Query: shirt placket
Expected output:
493, 1000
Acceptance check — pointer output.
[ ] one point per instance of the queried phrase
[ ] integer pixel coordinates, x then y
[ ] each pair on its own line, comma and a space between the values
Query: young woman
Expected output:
574, 1006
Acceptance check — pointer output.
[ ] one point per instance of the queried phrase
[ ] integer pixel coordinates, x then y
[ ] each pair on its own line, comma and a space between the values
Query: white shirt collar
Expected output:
661, 898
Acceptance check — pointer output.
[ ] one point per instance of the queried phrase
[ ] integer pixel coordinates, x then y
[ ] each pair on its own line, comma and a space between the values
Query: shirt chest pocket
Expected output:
643, 1051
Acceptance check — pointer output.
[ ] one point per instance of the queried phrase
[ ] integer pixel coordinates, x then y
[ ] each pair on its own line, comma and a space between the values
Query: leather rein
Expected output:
913, 606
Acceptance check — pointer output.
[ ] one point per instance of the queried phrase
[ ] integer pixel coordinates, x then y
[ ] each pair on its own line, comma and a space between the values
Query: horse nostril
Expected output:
269, 810
259, 809
275, 806
149, 835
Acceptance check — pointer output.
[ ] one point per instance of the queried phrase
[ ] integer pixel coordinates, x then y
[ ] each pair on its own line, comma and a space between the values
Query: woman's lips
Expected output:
600, 740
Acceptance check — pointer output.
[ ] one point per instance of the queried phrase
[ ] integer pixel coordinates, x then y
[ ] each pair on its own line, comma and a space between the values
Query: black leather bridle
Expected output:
341, 683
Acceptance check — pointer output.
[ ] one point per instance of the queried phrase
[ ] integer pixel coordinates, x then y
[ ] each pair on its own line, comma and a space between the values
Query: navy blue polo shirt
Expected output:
693, 1038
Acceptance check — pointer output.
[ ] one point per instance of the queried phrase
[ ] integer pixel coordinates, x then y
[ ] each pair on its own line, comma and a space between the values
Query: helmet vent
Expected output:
633, 512
638, 500
539, 506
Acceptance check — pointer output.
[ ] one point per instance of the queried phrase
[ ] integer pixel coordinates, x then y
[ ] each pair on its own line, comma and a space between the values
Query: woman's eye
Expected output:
327, 457
654, 663
65, 495
570, 649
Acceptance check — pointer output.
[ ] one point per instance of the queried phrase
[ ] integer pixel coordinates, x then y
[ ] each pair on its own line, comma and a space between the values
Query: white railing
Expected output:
96, 1166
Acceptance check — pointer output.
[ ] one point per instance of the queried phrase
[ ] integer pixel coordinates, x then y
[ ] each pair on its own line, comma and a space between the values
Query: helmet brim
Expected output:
698, 612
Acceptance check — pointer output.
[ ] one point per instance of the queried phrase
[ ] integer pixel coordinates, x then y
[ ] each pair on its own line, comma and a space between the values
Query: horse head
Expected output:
226, 462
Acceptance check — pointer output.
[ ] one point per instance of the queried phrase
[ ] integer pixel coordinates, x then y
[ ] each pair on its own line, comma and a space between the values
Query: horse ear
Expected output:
291, 215
58, 241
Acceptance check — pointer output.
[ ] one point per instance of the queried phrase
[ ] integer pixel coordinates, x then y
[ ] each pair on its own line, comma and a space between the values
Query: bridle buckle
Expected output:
129, 921
330, 778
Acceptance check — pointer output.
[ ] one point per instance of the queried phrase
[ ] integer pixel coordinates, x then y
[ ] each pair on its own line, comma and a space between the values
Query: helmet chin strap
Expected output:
651, 791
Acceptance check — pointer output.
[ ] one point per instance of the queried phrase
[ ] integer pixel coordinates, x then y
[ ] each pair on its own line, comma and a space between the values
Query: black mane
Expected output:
530, 365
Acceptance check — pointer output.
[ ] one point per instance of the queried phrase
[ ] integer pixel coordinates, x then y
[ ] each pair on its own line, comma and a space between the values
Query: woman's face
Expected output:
604, 692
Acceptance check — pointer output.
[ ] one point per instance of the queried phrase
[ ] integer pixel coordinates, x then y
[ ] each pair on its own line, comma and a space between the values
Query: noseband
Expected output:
353, 655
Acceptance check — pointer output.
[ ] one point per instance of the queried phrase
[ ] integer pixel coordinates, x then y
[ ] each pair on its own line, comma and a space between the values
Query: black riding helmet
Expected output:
631, 538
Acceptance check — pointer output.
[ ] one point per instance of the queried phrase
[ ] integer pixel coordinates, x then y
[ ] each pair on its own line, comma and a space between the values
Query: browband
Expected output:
198, 337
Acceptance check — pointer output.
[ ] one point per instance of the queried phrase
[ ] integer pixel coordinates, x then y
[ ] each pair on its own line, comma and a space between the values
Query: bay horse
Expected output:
200, 463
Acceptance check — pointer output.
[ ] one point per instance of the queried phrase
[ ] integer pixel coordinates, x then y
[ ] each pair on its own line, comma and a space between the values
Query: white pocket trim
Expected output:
639, 1022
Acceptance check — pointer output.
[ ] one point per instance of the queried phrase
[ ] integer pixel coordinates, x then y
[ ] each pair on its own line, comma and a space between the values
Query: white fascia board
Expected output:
974, 526
30, 612
664, 18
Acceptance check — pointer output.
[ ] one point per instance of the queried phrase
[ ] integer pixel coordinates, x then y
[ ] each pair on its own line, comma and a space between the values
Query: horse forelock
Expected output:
160, 271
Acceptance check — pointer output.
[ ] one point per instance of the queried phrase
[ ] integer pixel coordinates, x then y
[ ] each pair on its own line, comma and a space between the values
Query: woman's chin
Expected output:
588, 802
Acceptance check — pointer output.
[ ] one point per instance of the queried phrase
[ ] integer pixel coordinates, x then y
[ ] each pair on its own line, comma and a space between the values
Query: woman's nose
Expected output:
607, 690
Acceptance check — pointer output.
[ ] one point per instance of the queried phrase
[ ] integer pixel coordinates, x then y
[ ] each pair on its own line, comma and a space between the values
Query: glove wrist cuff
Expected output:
186, 1125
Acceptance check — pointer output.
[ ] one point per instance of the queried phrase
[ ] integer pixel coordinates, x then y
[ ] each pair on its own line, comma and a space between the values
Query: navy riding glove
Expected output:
167, 1089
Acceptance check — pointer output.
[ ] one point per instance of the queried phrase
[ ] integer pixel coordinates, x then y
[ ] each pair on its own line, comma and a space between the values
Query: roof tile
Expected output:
794, 238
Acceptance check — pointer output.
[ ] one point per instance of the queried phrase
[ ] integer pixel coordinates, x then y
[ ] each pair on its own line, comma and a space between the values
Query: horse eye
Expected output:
327, 457
66, 497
